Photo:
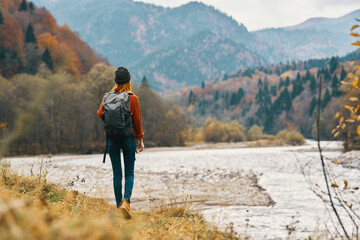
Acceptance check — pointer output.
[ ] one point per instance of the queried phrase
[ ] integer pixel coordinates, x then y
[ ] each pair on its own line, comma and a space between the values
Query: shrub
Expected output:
255, 133
291, 138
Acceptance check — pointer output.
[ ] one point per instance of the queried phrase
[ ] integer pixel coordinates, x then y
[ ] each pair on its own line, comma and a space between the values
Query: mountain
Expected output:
340, 24
314, 38
134, 34
156, 41
30, 36
276, 97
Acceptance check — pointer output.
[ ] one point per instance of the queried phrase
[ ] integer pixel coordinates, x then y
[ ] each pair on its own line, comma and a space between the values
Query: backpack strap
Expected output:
106, 148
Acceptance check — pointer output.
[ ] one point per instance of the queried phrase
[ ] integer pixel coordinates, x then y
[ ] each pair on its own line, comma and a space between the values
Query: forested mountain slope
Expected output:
278, 97
30, 36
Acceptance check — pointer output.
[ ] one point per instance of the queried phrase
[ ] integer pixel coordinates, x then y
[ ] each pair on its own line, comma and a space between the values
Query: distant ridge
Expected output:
321, 22
146, 38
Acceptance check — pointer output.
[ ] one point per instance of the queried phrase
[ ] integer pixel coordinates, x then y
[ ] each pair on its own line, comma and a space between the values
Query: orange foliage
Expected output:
12, 35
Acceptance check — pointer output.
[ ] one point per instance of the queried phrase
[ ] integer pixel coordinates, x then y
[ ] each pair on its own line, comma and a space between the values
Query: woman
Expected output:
122, 80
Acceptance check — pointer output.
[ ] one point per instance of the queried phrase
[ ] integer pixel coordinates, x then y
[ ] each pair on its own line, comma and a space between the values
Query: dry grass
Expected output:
283, 138
31, 208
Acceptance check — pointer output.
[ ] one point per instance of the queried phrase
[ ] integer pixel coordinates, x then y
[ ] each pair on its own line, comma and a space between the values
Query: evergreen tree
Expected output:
327, 76
287, 82
313, 84
1, 18
216, 97
203, 85
335, 84
233, 99
46, 57
31, 6
273, 90
287, 100
191, 96
225, 77
260, 83
342, 74
29, 35
307, 76
23, 6
326, 99
333, 64
144, 82
240, 94
313, 104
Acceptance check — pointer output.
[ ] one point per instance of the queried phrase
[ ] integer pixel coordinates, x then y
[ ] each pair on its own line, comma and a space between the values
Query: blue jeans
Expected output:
128, 147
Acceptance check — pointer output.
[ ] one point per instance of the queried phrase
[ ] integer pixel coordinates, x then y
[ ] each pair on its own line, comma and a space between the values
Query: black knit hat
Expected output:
122, 75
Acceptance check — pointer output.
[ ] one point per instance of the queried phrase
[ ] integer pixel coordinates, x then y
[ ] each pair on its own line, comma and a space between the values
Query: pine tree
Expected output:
1, 18
203, 85
326, 99
342, 74
327, 76
46, 57
313, 84
287, 100
335, 84
144, 82
240, 94
190, 97
313, 104
233, 99
216, 97
287, 82
29, 35
23, 6
31, 6
333, 64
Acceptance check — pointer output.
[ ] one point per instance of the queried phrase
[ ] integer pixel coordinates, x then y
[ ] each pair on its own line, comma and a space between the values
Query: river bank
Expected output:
260, 191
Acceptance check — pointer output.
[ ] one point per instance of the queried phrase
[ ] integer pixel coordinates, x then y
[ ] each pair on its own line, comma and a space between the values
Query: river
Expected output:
257, 192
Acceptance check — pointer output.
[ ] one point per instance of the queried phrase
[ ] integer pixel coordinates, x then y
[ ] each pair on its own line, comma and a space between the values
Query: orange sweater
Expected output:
136, 115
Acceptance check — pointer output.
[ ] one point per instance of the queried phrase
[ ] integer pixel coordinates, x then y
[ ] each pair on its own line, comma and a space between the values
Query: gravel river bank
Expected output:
261, 192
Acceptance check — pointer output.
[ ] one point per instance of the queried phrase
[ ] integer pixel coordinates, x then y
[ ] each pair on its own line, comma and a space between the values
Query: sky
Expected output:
260, 14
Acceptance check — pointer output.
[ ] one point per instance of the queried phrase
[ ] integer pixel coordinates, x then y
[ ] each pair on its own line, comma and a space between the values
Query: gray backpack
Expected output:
117, 115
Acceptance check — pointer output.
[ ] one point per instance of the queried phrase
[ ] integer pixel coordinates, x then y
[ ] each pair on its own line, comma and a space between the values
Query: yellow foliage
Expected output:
357, 43
353, 27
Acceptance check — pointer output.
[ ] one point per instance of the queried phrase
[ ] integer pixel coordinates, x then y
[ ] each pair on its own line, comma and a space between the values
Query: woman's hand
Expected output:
141, 145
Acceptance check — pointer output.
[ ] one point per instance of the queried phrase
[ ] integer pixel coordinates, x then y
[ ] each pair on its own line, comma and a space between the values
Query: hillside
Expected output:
314, 38
30, 36
143, 37
278, 97
146, 38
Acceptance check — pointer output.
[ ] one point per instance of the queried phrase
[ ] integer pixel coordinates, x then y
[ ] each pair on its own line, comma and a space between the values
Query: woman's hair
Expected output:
126, 87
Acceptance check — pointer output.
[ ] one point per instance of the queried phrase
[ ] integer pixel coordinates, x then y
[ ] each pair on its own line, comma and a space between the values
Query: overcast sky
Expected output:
259, 14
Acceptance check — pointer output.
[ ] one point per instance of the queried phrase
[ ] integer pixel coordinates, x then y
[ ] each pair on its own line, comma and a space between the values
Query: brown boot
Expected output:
125, 209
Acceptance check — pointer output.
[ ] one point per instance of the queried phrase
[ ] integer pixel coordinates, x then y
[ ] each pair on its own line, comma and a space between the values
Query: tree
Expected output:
1, 18
333, 64
335, 84
313, 104
326, 99
202, 84
327, 75
216, 97
29, 35
31, 6
342, 74
313, 85
144, 82
23, 6
46, 57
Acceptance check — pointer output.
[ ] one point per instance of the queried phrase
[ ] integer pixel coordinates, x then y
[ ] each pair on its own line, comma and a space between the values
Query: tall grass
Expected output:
32, 208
